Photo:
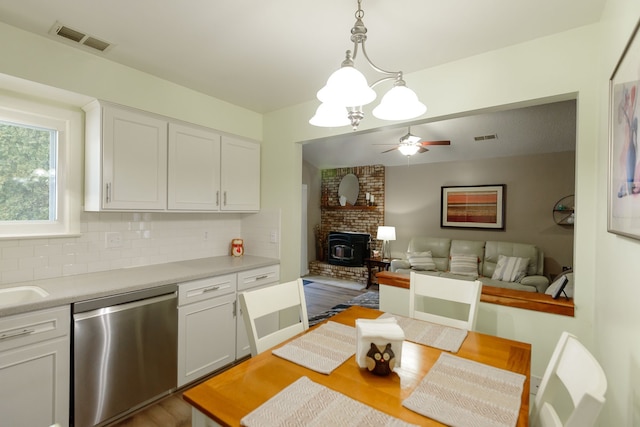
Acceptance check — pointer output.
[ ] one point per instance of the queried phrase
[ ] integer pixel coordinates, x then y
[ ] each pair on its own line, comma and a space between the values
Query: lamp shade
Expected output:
347, 87
400, 103
386, 233
330, 115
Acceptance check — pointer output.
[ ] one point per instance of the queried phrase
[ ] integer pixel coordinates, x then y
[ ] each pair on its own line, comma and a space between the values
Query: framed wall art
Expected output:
478, 206
624, 153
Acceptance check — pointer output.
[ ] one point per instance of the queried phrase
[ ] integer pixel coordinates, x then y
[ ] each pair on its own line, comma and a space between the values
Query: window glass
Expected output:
39, 178
27, 173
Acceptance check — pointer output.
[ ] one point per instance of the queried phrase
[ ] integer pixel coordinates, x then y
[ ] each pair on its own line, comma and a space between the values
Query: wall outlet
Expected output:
535, 384
273, 237
113, 239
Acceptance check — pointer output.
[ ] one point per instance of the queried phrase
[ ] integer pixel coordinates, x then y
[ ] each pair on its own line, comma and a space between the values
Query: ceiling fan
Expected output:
411, 144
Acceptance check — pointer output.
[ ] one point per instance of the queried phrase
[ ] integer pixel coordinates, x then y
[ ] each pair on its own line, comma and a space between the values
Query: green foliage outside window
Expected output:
27, 173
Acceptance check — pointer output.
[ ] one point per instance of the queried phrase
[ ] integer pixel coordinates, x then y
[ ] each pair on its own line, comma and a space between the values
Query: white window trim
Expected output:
68, 121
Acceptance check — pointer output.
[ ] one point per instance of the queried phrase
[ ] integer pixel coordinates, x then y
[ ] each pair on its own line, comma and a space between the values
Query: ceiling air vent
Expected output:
486, 137
79, 37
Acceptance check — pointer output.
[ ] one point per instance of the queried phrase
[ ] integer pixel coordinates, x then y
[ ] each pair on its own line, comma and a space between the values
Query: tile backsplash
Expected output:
110, 241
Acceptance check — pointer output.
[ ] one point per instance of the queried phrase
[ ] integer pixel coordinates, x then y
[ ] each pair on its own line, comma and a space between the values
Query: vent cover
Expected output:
486, 137
79, 37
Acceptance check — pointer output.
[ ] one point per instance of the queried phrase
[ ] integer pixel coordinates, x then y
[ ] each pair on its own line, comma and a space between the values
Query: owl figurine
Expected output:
380, 362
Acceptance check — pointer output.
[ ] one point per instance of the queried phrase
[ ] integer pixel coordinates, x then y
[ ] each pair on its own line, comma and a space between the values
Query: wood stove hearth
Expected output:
348, 248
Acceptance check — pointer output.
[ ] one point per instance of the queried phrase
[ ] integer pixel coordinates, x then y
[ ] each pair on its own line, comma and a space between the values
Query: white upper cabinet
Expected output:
240, 175
194, 168
126, 160
139, 161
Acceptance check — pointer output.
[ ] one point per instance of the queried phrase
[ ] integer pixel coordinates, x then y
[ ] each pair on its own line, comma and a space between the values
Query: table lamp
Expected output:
386, 233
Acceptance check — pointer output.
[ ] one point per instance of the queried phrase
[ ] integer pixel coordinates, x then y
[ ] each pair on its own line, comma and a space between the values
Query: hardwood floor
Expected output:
173, 411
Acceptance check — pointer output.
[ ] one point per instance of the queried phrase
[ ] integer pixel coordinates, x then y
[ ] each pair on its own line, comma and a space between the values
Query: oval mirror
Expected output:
349, 188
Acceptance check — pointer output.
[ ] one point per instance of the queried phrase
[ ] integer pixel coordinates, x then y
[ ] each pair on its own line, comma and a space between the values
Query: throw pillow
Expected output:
421, 261
510, 268
465, 265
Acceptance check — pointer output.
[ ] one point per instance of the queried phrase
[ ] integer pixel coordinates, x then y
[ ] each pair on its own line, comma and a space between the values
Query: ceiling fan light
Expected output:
347, 87
330, 115
408, 150
400, 103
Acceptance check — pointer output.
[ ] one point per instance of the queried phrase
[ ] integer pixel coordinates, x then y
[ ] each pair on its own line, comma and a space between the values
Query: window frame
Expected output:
67, 120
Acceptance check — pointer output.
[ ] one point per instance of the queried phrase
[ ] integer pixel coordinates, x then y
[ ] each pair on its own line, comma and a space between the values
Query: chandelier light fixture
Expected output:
347, 90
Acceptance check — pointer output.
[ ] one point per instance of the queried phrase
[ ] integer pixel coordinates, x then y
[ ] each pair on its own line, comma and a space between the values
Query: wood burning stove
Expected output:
348, 248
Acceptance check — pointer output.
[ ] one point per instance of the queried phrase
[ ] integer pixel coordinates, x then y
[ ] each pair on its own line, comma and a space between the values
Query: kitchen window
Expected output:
40, 146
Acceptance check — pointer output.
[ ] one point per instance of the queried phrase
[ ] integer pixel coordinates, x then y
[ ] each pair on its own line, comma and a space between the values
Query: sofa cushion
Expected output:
439, 248
510, 268
469, 247
421, 261
464, 265
522, 250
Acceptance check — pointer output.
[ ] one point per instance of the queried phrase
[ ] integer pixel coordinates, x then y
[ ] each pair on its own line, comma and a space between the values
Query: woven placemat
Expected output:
431, 334
460, 392
323, 349
306, 403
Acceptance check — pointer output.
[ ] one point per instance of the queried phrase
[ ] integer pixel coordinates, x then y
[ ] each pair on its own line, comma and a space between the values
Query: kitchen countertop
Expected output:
81, 287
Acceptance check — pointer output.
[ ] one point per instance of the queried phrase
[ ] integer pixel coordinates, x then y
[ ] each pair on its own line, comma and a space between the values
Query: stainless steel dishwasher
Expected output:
124, 353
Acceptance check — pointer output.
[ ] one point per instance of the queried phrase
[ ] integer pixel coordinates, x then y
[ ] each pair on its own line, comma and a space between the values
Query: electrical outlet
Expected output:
273, 238
113, 239
535, 384
205, 235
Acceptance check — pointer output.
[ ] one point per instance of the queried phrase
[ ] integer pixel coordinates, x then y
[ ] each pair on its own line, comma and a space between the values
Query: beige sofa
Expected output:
521, 264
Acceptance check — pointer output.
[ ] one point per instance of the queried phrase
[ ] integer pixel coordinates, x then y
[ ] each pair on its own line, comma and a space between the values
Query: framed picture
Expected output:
624, 152
479, 206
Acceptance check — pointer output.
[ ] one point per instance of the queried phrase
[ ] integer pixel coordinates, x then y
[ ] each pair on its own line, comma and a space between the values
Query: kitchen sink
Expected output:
21, 294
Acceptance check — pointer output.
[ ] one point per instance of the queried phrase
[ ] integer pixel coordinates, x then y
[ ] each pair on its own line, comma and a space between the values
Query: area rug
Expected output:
369, 299
333, 282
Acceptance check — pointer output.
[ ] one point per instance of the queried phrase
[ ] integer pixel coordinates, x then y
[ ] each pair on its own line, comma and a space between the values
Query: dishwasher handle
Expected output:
124, 307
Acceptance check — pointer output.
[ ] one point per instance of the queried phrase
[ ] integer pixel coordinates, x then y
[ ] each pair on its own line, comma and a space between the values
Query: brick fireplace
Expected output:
363, 217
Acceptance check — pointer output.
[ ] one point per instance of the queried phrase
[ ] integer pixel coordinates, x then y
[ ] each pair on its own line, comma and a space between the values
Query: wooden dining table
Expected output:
227, 397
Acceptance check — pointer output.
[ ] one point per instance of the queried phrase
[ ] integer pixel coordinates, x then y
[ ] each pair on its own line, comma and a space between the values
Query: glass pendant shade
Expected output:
408, 150
347, 87
329, 116
400, 103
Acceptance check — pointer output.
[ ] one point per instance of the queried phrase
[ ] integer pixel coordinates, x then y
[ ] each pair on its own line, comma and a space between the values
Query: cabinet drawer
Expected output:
202, 289
29, 328
258, 277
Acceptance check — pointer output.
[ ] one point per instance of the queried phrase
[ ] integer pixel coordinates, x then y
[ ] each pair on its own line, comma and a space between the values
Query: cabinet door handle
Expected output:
108, 197
16, 334
225, 198
218, 198
211, 289
262, 277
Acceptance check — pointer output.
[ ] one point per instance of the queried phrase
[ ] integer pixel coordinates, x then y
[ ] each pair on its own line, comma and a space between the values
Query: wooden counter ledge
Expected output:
491, 294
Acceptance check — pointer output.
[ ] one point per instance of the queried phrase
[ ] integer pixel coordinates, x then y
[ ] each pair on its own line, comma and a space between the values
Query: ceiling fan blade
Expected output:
422, 150
391, 149
425, 143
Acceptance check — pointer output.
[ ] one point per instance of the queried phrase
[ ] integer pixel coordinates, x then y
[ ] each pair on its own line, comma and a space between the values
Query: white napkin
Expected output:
379, 332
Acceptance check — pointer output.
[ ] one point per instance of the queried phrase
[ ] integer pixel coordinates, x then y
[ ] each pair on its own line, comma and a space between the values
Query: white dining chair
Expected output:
573, 386
273, 299
427, 293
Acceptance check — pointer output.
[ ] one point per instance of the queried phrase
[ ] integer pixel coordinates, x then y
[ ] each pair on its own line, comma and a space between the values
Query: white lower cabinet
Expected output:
35, 368
206, 326
254, 279
211, 331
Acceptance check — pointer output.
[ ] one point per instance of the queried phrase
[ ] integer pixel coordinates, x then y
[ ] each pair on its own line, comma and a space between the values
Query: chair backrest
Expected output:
465, 292
272, 299
572, 368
